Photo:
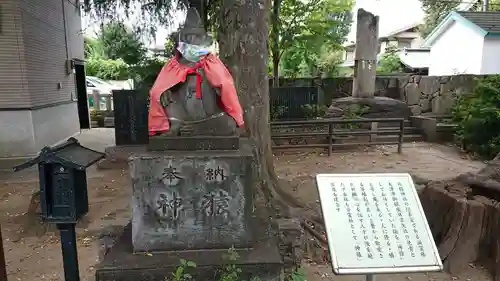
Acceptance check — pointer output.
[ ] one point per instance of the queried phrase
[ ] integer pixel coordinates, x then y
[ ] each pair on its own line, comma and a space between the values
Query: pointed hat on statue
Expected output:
193, 27
193, 24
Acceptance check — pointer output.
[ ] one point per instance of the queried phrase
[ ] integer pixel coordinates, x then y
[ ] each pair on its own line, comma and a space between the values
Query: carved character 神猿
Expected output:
194, 88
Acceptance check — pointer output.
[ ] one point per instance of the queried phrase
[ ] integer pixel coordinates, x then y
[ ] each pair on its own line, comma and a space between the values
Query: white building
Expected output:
465, 43
407, 37
42, 76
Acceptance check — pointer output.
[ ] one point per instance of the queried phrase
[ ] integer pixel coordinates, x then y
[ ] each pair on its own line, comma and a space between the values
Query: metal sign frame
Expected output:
336, 226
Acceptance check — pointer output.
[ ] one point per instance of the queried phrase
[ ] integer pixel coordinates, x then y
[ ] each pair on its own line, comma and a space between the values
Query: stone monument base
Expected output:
262, 261
192, 199
377, 107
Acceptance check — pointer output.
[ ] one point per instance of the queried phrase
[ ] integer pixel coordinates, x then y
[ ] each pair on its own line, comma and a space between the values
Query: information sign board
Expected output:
376, 224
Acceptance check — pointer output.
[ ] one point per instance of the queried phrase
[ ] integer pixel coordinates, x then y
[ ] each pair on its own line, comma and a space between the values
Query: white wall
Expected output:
417, 42
349, 56
24, 133
491, 56
457, 51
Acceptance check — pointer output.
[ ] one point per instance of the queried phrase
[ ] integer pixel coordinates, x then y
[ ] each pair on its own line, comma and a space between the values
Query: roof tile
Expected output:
489, 21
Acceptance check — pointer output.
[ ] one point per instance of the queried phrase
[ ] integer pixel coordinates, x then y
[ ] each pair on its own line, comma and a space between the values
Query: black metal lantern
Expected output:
63, 193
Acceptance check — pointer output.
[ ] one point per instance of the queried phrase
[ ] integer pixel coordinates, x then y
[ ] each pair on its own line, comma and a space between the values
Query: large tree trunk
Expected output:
243, 38
464, 216
275, 47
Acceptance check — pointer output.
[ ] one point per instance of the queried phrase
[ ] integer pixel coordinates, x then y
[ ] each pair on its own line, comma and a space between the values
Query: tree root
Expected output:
292, 208
464, 216
32, 224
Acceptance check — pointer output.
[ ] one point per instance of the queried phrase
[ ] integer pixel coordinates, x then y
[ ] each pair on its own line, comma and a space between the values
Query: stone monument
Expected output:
192, 190
365, 66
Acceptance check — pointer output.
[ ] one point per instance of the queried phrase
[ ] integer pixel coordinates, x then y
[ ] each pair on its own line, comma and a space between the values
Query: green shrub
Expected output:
107, 69
145, 73
278, 111
478, 118
314, 111
354, 111
229, 272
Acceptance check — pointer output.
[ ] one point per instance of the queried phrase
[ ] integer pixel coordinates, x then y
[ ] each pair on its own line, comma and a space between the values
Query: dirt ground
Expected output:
31, 257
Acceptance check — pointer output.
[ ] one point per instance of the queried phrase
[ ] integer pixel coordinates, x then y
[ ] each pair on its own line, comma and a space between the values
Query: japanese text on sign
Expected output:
377, 223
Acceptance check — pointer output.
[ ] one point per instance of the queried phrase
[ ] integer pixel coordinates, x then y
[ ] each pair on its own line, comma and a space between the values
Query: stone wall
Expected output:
424, 94
434, 94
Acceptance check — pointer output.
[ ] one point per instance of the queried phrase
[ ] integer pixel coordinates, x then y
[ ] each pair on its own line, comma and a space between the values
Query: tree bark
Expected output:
275, 47
243, 47
3, 268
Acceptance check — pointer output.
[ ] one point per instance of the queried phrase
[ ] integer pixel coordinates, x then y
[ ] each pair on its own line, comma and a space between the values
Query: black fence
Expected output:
131, 123
293, 103
131, 110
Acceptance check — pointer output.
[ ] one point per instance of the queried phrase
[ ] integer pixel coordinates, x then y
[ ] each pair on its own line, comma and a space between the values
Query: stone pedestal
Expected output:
262, 261
193, 205
191, 199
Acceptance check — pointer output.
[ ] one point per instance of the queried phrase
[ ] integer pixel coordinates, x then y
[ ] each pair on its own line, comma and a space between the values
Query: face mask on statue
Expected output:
192, 52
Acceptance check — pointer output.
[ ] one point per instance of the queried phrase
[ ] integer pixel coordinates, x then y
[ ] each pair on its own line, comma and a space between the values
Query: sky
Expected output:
394, 14
91, 25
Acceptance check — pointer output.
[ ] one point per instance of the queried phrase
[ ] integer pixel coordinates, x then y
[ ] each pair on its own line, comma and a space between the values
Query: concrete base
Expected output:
263, 261
23, 133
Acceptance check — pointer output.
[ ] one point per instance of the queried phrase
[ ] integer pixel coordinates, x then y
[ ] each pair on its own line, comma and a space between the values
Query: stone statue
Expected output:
194, 88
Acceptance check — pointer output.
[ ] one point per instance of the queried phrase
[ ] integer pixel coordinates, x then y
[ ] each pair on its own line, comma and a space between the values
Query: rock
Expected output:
291, 239
415, 110
429, 84
412, 93
377, 107
425, 105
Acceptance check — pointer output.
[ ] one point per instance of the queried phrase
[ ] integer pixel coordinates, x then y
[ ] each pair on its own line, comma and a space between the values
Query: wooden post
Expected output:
365, 58
97, 100
3, 266
373, 131
330, 138
401, 136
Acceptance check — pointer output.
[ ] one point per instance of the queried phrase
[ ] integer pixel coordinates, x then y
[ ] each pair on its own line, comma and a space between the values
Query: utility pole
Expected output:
365, 57
485, 5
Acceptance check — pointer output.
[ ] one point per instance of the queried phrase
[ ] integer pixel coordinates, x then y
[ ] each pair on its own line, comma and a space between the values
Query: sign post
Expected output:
375, 224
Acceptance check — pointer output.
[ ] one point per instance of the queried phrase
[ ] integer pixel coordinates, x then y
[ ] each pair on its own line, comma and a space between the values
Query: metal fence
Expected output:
291, 103
330, 131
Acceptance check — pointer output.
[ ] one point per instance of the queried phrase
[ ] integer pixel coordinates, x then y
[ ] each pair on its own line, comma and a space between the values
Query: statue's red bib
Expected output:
174, 73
